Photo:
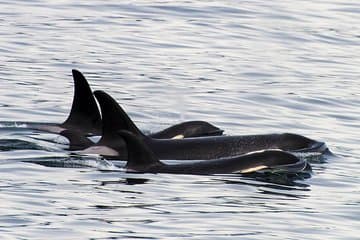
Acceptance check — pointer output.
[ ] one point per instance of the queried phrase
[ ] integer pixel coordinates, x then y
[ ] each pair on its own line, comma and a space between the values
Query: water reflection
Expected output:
127, 181
17, 144
232, 64
79, 161
277, 181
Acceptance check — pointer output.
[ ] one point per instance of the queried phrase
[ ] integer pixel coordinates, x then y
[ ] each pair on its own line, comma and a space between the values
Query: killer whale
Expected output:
142, 159
84, 117
79, 141
85, 120
188, 129
204, 148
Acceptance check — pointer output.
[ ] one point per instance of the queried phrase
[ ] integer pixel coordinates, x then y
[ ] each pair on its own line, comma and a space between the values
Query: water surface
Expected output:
248, 67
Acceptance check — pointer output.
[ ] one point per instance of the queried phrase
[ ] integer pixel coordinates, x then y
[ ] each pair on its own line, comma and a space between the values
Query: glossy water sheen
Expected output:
248, 67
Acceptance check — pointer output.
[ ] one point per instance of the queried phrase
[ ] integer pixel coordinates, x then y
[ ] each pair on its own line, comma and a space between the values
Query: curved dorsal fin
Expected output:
114, 119
84, 115
140, 156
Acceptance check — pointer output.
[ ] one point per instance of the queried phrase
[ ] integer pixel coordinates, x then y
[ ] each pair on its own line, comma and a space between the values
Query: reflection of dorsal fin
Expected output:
77, 140
84, 115
140, 156
114, 119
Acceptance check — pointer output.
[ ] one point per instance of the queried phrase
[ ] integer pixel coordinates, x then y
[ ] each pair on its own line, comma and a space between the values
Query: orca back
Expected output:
114, 119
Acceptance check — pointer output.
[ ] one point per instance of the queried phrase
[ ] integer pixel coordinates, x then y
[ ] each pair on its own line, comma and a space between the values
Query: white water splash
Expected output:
100, 164
13, 124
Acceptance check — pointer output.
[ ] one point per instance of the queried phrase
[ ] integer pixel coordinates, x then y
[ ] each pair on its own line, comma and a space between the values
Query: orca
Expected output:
84, 117
142, 159
79, 141
204, 148
188, 129
85, 120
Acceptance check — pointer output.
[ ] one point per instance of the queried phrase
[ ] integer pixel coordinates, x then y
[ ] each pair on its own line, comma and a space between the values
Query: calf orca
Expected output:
142, 159
111, 145
85, 119
188, 129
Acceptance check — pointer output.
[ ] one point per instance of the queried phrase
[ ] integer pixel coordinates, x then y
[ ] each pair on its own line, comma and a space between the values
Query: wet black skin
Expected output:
142, 159
193, 148
84, 114
188, 129
84, 117
85, 120
224, 146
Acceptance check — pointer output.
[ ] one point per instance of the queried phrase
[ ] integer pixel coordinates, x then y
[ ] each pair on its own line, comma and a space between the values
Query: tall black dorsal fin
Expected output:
114, 119
140, 157
84, 115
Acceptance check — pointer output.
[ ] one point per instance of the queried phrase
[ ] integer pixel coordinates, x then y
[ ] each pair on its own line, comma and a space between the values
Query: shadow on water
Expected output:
126, 181
16, 144
286, 181
74, 161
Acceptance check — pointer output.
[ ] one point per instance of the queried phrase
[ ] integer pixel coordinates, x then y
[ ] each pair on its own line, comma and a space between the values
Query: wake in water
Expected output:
20, 143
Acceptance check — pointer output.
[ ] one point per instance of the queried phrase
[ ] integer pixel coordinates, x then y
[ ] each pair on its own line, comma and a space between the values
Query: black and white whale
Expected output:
111, 145
187, 130
142, 159
85, 119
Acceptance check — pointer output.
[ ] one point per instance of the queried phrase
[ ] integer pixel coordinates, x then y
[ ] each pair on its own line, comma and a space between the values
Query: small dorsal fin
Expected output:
77, 140
189, 129
114, 119
84, 115
140, 156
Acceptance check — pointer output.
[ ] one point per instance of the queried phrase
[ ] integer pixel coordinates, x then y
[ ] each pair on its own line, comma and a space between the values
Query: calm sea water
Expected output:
248, 67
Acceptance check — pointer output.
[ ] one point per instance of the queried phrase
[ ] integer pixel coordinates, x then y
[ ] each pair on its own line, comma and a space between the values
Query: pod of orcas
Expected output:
141, 158
193, 140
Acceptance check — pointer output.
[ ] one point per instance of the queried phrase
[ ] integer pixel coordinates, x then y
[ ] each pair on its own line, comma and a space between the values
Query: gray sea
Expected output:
249, 67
